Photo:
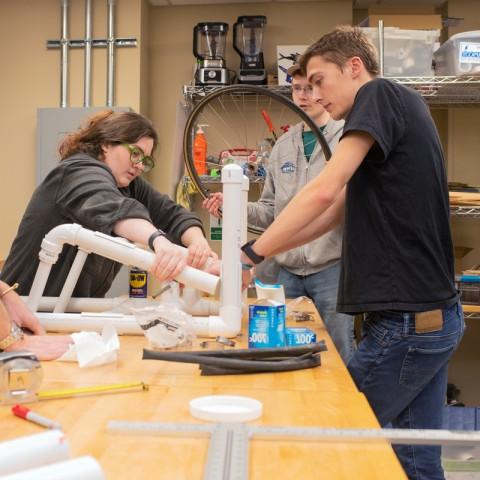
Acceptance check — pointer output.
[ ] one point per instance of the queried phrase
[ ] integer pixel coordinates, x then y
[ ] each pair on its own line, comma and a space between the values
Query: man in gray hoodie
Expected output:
313, 269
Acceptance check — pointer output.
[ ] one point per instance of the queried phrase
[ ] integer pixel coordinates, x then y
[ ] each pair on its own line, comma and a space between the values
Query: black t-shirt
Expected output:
397, 248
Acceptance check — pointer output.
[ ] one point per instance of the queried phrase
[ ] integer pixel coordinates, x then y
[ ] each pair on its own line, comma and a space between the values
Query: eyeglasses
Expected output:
137, 155
299, 89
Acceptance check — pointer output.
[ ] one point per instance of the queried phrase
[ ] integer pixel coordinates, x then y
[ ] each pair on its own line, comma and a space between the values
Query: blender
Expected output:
209, 39
247, 41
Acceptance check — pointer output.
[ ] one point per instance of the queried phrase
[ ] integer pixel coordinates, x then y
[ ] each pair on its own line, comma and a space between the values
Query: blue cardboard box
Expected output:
266, 324
299, 336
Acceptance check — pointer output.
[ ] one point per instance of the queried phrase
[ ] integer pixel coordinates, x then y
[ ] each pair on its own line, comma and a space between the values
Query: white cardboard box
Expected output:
287, 55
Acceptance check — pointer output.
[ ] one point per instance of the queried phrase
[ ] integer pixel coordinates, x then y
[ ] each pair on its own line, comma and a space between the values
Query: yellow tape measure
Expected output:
72, 392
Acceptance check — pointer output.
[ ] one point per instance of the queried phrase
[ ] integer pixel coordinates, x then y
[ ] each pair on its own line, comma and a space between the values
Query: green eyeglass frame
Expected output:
137, 155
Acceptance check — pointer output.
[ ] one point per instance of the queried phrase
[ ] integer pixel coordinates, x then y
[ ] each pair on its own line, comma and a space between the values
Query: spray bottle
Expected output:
200, 151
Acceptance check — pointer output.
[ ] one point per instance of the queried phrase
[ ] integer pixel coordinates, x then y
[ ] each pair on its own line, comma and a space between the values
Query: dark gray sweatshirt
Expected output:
83, 190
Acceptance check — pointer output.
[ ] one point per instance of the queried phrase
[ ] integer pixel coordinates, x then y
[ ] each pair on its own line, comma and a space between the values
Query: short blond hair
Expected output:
341, 44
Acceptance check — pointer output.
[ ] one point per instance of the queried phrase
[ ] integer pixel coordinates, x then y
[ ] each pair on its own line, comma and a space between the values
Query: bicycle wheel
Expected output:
241, 122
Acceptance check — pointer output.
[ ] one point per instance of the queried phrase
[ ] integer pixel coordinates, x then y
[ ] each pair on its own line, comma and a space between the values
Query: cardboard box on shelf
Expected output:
409, 22
287, 55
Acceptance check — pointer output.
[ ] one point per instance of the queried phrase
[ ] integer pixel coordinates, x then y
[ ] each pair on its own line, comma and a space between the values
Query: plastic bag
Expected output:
165, 326
293, 314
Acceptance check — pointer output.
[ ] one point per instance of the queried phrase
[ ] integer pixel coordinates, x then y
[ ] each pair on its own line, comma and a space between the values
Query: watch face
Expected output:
16, 334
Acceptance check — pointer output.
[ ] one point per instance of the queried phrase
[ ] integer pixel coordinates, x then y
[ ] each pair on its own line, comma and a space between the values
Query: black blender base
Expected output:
252, 79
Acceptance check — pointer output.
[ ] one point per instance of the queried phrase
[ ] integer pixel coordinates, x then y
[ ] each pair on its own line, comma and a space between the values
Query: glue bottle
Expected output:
200, 151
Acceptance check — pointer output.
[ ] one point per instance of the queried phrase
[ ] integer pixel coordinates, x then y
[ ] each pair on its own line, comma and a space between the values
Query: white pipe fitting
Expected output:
193, 303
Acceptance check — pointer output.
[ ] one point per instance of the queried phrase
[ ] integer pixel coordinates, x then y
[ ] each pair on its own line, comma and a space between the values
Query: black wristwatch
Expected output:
153, 236
248, 251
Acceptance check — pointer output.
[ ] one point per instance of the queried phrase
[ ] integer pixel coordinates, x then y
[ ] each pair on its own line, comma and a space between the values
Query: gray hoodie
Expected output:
288, 171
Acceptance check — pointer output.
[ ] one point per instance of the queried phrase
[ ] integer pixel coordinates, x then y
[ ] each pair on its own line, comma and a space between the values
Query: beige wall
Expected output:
31, 79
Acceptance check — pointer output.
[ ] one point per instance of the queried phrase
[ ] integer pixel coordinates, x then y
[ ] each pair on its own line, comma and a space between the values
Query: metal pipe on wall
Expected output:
381, 47
64, 56
111, 53
88, 53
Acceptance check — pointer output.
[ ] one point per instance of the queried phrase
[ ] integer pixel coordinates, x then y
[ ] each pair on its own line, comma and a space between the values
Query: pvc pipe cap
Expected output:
225, 408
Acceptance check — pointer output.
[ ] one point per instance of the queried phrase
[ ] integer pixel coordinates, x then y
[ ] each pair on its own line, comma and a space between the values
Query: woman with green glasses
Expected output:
98, 185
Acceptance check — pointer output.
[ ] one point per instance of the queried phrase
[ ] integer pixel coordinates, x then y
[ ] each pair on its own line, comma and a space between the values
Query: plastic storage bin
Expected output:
469, 292
407, 53
459, 55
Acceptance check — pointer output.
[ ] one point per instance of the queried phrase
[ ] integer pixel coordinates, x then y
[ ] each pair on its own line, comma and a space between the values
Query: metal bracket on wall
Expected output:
96, 43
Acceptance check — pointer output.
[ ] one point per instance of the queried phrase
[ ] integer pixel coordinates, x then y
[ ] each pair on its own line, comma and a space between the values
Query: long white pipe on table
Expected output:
91, 322
33, 451
191, 302
76, 469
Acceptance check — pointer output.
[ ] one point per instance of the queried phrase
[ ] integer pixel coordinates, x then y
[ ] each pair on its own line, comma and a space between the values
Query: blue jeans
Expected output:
322, 288
404, 377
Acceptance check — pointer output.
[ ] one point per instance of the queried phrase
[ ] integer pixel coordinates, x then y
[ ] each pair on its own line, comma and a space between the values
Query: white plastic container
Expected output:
407, 53
459, 55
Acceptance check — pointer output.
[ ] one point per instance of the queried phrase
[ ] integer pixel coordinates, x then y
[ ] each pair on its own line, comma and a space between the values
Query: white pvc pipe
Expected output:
114, 248
231, 292
244, 230
71, 281
194, 304
77, 469
33, 451
93, 322
80, 304
211, 326
244, 209
38, 285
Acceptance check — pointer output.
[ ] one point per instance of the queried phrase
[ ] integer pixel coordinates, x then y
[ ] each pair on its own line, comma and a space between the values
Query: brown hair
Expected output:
296, 70
341, 44
106, 128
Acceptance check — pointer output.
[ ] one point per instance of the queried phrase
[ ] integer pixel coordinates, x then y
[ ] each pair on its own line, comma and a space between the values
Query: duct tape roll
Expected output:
77, 469
33, 451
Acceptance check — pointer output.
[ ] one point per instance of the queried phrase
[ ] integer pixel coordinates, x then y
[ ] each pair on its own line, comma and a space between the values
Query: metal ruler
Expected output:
227, 457
228, 447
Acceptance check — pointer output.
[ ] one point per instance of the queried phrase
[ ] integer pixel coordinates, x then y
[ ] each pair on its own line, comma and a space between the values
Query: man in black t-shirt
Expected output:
386, 180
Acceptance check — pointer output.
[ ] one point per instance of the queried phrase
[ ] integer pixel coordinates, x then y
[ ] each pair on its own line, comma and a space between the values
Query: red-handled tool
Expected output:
269, 123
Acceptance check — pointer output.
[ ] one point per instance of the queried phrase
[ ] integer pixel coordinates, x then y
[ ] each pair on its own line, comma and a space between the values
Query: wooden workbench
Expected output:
324, 396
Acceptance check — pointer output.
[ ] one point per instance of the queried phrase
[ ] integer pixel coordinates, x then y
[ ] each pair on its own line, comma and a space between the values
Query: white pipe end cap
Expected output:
226, 408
